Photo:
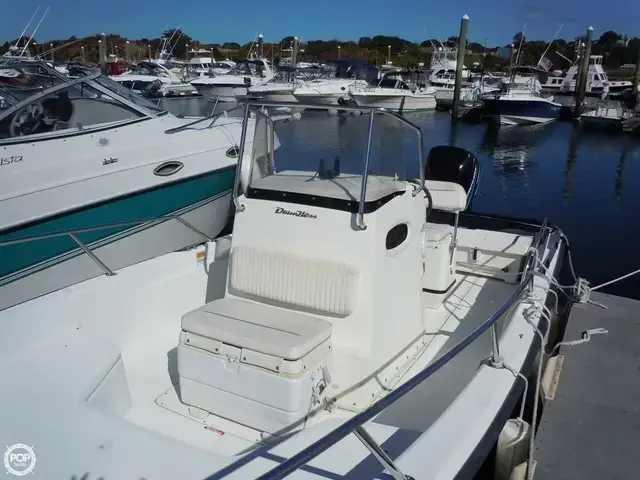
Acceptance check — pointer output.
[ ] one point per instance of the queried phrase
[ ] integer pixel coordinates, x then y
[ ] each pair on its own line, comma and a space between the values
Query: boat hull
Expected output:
329, 99
221, 93
395, 102
41, 266
521, 112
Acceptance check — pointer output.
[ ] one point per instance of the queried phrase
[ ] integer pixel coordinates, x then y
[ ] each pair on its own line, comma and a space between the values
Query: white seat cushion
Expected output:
262, 328
447, 196
317, 286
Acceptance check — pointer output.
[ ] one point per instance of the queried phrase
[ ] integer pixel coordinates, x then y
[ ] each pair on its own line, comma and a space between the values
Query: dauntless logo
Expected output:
297, 213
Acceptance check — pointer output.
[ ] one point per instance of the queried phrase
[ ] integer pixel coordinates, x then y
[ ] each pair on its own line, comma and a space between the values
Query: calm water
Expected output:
587, 184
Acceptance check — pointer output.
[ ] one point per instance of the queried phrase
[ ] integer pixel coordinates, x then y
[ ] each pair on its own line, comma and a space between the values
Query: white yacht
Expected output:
280, 88
597, 80
396, 94
226, 88
154, 80
442, 69
332, 86
306, 342
76, 154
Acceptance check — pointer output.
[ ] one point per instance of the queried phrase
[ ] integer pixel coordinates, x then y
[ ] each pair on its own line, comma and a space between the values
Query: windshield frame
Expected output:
91, 77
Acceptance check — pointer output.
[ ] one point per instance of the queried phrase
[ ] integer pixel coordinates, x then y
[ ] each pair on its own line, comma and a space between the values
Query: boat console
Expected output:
323, 304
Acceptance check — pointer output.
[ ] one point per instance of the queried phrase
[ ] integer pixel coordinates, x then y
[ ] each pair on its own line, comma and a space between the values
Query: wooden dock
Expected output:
590, 429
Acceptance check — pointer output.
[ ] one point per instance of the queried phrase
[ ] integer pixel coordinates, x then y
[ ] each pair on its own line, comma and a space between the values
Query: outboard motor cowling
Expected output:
454, 164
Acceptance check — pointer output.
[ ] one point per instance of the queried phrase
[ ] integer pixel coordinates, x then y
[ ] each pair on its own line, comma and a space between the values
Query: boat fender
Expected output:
512, 447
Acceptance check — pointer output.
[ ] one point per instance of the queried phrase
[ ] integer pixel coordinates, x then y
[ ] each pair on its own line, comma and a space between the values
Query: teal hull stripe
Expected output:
147, 204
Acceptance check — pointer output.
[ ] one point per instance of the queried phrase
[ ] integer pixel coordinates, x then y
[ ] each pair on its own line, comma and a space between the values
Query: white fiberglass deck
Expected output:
64, 344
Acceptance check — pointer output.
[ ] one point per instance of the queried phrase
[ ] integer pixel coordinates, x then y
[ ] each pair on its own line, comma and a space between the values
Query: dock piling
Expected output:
102, 48
462, 47
584, 70
636, 81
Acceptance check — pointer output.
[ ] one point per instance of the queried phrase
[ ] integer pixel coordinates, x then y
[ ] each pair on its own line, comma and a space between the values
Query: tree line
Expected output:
617, 49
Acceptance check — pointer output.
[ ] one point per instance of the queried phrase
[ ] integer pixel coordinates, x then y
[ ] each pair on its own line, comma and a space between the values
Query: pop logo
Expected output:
19, 459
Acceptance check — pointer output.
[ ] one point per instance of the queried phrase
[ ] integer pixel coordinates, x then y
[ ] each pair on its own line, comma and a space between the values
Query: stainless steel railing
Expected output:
72, 233
355, 424
372, 111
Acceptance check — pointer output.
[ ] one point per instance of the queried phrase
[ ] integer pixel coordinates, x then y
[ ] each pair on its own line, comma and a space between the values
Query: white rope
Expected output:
586, 336
533, 310
615, 280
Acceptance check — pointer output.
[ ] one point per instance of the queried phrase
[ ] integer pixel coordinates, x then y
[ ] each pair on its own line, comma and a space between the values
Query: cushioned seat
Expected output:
447, 196
279, 332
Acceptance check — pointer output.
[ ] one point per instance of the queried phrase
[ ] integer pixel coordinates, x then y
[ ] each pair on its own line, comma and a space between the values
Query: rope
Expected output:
586, 336
534, 309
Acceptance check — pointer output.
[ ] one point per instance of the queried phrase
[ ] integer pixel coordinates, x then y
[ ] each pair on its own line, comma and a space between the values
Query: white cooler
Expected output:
258, 365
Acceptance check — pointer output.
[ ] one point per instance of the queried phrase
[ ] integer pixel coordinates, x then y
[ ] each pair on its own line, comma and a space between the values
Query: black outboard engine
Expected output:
454, 164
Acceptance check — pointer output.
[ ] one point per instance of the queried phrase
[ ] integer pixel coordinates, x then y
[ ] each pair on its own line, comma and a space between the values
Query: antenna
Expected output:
34, 32
521, 40
25, 28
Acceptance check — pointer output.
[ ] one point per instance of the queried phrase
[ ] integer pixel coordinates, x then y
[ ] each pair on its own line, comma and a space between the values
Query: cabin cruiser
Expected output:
316, 326
226, 88
597, 80
521, 104
80, 153
442, 69
334, 82
279, 88
154, 80
396, 94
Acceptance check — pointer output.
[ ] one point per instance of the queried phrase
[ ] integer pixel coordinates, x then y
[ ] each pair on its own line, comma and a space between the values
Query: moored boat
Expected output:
317, 326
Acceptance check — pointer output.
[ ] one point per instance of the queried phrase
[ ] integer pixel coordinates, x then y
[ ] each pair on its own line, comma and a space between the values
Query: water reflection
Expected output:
574, 143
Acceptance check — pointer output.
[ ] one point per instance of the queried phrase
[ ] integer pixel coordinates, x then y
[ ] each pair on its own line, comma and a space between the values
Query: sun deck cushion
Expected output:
266, 329
317, 286
447, 196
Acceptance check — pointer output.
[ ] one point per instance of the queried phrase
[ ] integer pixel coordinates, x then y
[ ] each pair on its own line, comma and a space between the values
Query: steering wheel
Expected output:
26, 120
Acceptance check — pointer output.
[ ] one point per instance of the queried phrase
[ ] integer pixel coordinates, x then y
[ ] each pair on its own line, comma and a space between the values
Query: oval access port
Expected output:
396, 236
168, 168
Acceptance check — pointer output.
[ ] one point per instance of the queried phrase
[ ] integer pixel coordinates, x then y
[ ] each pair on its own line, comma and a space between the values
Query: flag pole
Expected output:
549, 46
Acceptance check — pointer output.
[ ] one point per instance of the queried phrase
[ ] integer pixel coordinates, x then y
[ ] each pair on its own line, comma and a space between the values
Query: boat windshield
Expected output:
349, 69
248, 68
150, 68
20, 81
129, 95
334, 176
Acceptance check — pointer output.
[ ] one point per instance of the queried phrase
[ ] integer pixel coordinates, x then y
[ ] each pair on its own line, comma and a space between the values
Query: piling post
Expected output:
261, 46
636, 82
102, 48
584, 70
462, 44
294, 57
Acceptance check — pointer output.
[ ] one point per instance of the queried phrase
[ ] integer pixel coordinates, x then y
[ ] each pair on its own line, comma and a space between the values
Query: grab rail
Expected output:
371, 110
355, 424
72, 233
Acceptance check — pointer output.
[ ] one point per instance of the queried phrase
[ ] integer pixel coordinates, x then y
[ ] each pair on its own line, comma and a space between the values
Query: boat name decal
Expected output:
109, 160
9, 160
297, 213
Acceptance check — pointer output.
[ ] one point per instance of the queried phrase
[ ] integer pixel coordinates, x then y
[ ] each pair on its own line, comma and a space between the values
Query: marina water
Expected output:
587, 183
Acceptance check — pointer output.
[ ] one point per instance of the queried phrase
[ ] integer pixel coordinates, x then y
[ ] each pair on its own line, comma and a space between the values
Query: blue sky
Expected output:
496, 21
